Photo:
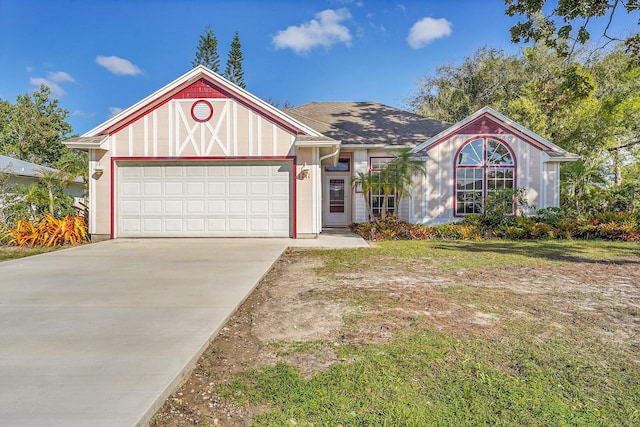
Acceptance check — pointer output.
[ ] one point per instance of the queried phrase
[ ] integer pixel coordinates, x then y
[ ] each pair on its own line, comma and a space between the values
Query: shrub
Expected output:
550, 223
393, 229
49, 231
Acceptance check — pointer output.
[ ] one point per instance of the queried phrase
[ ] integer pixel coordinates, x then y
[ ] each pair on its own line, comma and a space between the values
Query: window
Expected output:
377, 196
483, 166
342, 166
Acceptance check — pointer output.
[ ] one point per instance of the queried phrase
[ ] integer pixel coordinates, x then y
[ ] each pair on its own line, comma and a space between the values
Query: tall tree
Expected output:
488, 77
207, 51
567, 25
589, 105
234, 72
34, 128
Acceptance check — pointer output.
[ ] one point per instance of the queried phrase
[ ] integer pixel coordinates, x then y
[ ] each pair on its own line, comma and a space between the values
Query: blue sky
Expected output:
100, 56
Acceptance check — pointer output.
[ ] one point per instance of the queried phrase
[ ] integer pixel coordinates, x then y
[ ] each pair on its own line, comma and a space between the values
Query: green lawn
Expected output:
562, 348
7, 253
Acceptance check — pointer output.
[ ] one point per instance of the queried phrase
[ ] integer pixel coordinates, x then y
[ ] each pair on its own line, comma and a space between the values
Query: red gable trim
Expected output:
198, 90
484, 125
487, 124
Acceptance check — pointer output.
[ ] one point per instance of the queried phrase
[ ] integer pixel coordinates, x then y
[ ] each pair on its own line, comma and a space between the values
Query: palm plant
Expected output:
393, 180
368, 183
50, 178
399, 174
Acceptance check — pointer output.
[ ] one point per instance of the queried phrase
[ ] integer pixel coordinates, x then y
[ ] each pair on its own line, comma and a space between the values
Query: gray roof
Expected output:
20, 167
23, 168
367, 123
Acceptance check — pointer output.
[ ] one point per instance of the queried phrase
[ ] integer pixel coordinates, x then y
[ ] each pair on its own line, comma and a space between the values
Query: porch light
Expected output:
305, 171
98, 170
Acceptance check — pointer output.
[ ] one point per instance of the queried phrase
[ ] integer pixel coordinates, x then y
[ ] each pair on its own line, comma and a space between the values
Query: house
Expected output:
25, 173
202, 157
485, 151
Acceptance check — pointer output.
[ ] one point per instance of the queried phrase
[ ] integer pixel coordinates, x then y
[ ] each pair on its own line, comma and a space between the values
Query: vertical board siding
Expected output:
233, 131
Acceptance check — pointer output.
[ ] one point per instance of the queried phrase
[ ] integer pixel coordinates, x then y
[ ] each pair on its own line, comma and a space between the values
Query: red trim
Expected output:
126, 122
294, 174
484, 167
200, 89
523, 136
113, 195
203, 158
371, 169
142, 111
193, 107
292, 159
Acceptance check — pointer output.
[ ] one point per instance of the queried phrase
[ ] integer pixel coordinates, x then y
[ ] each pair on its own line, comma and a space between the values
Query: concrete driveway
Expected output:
99, 335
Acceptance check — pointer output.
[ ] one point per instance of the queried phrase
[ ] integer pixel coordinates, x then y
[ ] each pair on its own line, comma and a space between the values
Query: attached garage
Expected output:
202, 157
204, 199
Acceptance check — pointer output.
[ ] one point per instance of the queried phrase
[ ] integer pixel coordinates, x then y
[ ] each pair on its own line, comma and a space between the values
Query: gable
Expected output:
483, 125
486, 122
201, 89
201, 83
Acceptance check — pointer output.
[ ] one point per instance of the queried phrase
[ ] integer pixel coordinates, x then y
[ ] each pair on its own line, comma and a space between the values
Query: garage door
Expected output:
204, 200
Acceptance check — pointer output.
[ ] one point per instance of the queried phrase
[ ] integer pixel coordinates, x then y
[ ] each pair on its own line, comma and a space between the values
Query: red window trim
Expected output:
484, 168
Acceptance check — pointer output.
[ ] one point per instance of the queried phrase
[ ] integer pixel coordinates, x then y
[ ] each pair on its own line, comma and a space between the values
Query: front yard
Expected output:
13, 252
429, 333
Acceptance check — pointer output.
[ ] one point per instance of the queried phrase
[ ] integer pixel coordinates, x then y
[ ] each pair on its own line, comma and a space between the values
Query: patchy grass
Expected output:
432, 378
7, 253
451, 255
465, 333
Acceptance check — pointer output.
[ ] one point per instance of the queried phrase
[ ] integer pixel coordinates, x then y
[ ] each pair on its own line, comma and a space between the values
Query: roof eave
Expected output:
185, 80
84, 143
312, 144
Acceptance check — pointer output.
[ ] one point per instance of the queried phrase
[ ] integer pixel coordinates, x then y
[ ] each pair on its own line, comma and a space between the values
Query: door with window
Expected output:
337, 196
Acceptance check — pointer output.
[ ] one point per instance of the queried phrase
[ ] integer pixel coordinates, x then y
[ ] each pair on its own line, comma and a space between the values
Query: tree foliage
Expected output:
567, 25
233, 72
207, 51
33, 128
589, 105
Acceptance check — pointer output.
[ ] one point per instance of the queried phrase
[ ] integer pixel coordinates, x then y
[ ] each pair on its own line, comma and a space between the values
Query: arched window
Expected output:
482, 165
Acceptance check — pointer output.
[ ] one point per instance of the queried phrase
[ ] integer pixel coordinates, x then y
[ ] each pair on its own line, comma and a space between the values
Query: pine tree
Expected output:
234, 72
207, 53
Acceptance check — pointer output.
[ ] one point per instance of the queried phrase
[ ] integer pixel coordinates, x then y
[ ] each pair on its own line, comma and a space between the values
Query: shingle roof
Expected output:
23, 168
367, 123
20, 167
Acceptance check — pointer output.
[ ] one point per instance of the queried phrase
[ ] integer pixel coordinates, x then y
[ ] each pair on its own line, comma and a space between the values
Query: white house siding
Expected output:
169, 131
360, 161
532, 173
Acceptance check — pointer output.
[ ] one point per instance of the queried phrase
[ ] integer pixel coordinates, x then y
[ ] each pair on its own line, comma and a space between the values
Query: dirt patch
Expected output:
294, 306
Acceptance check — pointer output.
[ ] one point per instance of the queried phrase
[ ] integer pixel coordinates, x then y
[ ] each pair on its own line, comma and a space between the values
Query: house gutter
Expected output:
335, 153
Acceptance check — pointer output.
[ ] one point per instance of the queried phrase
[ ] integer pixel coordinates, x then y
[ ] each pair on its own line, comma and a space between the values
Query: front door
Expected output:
336, 200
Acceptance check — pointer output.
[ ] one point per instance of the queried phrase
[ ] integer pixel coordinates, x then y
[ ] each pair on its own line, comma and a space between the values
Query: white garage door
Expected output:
204, 200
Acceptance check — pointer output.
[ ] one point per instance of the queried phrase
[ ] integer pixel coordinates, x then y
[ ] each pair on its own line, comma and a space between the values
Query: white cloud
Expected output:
53, 81
426, 30
80, 113
325, 30
114, 111
61, 76
118, 65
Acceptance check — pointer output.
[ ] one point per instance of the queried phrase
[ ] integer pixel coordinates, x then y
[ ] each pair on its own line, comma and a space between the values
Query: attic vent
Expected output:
201, 111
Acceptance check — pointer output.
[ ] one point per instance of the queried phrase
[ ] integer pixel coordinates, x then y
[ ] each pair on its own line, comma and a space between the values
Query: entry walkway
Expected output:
99, 335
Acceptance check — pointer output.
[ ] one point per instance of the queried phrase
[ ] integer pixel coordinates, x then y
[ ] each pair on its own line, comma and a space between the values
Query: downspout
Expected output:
335, 153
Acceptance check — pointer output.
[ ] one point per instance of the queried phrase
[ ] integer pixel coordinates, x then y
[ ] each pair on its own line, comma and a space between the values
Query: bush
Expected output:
48, 231
551, 223
393, 229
